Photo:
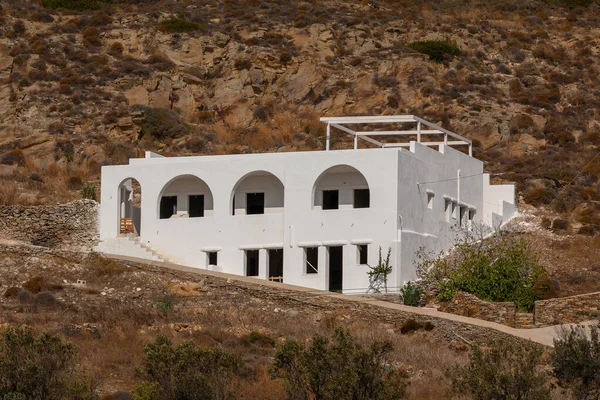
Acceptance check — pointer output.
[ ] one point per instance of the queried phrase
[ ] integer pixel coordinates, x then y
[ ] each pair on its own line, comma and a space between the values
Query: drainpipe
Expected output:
458, 186
327, 136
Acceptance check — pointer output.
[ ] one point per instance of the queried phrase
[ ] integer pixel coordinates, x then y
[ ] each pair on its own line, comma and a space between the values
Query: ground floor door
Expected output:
276, 265
252, 262
335, 268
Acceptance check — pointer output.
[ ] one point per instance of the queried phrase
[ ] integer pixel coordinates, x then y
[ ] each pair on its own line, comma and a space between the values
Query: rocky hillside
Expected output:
85, 83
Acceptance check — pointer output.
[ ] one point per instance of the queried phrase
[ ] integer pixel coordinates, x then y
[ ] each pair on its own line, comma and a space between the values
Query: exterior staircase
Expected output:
129, 245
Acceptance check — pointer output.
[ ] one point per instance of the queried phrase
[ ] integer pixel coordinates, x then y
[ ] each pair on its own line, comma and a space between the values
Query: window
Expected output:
361, 198
255, 203
251, 262
196, 205
447, 209
212, 258
312, 260
363, 254
331, 199
462, 212
472, 214
454, 216
430, 196
168, 206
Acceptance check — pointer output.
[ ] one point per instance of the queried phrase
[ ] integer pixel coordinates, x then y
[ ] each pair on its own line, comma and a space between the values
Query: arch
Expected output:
340, 187
257, 192
129, 198
185, 196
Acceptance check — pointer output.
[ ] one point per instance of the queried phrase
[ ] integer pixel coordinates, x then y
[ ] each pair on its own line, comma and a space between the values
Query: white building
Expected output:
315, 219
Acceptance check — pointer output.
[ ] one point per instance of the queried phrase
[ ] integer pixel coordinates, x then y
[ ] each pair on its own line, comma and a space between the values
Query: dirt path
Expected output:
543, 336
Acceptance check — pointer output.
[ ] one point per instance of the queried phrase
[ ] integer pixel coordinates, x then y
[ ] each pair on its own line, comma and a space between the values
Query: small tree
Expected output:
576, 360
382, 269
41, 367
185, 372
337, 368
505, 370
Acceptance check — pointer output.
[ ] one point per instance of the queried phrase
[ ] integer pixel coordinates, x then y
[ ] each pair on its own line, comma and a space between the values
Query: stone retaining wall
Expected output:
564, 310
72, 225
471, 306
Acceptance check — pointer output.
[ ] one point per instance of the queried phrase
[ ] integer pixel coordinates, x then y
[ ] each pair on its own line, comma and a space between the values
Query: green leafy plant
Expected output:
338, 368
439, 51
411, 294
576, 360
39, 367
382, 269
507, 370
500, 268
178, 25
185, 372
161, 124
88, 191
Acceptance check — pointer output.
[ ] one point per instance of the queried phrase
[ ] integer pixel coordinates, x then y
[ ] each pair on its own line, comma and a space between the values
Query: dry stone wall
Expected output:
564, 310
72, 225
471, 306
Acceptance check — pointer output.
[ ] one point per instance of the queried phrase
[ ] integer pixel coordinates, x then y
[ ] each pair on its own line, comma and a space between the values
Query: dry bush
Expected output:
103, 267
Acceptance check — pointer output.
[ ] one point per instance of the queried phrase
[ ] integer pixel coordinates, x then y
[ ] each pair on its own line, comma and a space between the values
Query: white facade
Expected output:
278, 206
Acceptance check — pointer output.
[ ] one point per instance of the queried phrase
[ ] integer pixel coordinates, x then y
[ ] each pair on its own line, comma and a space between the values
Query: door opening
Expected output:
276, 265
336, 274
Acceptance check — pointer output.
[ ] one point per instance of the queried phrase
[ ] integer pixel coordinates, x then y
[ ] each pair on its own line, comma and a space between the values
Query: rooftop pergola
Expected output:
420, 129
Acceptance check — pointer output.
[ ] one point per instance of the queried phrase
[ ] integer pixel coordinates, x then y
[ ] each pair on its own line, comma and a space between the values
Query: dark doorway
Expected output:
196, 203
168, 206
255, 203
336, 268
251, 262
331, 199
276, 265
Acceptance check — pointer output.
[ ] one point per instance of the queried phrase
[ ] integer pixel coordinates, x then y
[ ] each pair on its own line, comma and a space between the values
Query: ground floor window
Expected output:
255, 203
212, 258
251, 262
363, 255
168, 206
311, 254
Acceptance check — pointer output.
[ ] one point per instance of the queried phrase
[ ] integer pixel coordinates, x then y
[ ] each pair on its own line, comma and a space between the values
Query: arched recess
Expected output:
185, 196
130, 207
341, 187
259, 192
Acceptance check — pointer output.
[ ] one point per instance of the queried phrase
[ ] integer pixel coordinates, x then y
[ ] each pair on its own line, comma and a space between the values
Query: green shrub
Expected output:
439, 51
162, 124
501, 268
337, 368
382, 270
505, 370
258, 338
576, 360
88, 191
177, 25
411, 294
41, 367
185, 372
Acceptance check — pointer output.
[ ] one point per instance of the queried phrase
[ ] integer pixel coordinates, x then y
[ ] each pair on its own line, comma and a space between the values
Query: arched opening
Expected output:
258, 192
185, 196
341, 187
130, 207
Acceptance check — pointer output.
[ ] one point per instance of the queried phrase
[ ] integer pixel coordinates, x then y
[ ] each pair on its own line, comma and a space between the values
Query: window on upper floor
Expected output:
362, 198
331, 199
168, 206
447, 209
430, 196
196, 205
255, 203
